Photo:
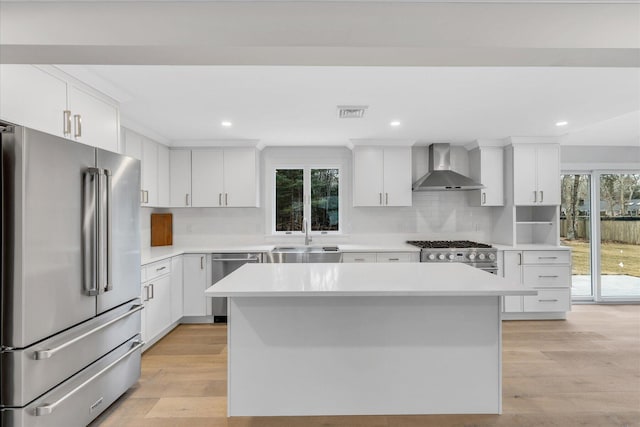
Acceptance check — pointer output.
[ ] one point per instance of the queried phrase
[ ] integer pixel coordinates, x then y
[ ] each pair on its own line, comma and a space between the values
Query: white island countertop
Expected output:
331, 279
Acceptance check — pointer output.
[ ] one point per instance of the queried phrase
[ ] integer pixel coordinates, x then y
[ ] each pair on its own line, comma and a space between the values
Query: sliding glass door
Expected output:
575, 231
600, 221
619, 234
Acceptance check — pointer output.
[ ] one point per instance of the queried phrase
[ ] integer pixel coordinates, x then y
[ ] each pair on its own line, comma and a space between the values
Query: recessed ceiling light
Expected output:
562, 123
226, 123
394, 123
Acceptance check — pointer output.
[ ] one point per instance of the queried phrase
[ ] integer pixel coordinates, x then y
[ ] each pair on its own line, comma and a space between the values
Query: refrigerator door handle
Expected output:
109, 242
48, 353
50, 407
90, 230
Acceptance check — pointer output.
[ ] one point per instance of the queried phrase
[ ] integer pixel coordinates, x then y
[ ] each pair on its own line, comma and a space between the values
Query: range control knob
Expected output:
451, 256
480, 256
440, 256
492, 257
472, 256
431, 256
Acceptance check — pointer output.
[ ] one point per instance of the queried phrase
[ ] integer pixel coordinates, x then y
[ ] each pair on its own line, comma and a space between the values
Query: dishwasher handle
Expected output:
252, 259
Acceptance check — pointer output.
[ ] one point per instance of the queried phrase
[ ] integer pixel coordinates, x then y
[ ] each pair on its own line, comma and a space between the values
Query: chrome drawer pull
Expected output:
394, 259
252, 259
50, 407
547, 300
548, 277
547, 257
359, 259
161, 268
46, 354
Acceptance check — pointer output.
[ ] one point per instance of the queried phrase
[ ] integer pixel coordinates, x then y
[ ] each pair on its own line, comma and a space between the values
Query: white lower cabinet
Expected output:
549, 272
176, 289
196, 278
380, 257
156, 298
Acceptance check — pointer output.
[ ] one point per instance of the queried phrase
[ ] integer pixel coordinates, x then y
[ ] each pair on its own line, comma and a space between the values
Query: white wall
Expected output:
444, 215
599, 157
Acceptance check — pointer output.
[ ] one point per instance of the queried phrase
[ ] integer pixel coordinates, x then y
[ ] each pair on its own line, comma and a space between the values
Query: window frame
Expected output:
306, 196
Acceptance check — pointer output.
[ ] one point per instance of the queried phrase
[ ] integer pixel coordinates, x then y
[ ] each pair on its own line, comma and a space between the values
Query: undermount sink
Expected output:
291, 254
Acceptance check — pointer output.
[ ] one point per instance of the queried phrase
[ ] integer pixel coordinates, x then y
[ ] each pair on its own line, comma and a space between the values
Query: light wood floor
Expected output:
584, 371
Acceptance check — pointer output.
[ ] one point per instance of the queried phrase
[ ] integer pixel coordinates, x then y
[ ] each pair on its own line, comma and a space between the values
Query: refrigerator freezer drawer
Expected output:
28, 373
84, 396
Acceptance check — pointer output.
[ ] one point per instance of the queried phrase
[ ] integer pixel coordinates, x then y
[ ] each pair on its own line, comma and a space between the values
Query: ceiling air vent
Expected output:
351, 111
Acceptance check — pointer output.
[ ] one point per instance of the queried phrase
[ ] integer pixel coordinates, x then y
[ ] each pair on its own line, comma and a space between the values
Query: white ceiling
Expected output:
292, 105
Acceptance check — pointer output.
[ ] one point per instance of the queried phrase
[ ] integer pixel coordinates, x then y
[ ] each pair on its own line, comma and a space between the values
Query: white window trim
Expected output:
306, 195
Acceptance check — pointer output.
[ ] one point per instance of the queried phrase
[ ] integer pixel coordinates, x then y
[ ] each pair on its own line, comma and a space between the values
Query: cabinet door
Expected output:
163, 176
492, 176
143, 313
33, 98
397, 176
159, 305
368, 176
240, 178
548, 173
98, 124
180, 177
150, 171
195, 281
524, 175
359, 257
133, 148
176, 289
512, 270
207, 178
393, 257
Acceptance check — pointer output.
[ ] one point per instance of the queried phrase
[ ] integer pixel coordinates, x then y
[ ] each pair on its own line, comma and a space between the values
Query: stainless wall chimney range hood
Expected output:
440, 176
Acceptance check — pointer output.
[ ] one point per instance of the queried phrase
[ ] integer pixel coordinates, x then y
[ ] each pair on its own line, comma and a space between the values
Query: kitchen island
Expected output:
357, 339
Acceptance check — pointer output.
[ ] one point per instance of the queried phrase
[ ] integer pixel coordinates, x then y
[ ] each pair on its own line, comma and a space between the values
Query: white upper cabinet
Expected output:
382, 176
214, 177
163, 175
486, 167
41, 100
206, 178
33, 98
94, 121
536, 174
154, 168
180, 178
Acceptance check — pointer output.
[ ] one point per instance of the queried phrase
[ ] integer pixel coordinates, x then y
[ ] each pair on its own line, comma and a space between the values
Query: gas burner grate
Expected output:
445, 244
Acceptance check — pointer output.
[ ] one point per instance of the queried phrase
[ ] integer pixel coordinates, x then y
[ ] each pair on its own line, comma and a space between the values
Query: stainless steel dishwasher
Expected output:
224, 264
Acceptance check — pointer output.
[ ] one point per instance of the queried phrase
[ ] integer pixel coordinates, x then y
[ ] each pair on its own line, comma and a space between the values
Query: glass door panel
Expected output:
575, 231
620, 235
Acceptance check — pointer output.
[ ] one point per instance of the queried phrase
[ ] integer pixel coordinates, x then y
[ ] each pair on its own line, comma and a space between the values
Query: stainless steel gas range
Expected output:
479, 255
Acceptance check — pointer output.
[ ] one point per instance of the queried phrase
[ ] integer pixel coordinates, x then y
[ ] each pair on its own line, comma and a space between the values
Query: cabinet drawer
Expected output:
548, 300
394, 257
546, 257
358, 257
552, 276
158, 269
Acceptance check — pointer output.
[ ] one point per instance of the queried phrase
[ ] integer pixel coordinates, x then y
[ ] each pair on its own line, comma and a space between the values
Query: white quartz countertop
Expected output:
149, 255
531, 247
385, 279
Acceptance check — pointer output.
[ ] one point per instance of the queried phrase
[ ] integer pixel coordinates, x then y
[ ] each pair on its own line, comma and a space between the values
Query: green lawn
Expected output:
612, 255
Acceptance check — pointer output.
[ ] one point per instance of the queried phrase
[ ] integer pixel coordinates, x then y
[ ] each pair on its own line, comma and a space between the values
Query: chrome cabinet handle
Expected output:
394, 259
484, 198
161, 268
359, 259
547, 300
48, 408
77, 122
541, 196
66, 122
226, 199
146, 196
219, 199
186, 202
386, 198
548, 277
547, 257
520, 258
535, 196
48, 353
380, 198
201, 263
146, 293
153, 291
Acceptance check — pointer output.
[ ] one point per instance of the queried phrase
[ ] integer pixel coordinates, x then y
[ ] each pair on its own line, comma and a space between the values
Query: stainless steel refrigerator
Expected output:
70, 279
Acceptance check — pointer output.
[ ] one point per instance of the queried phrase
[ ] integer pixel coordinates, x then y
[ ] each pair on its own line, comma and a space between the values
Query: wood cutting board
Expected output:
161, 229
